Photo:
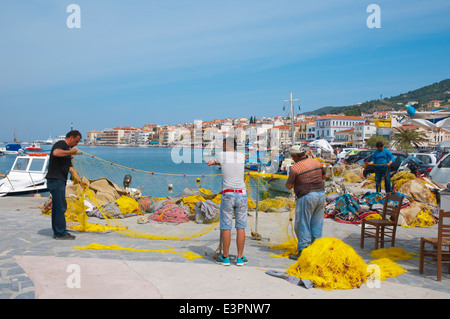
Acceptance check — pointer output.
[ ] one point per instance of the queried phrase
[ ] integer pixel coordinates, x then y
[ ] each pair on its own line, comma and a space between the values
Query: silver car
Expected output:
427, 158
441, 172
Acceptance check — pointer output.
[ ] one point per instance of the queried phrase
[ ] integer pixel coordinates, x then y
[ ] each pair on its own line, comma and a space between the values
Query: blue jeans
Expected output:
233, 203
309, 215
380, 172
57, 189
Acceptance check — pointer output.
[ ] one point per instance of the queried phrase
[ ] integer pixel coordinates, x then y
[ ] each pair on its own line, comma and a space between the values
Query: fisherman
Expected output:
306, 178
60, 165
382, 158
233, 200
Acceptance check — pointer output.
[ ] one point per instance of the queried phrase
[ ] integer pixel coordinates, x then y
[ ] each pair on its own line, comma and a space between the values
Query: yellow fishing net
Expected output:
388, 268
423, 219
393, 253
386, 257
330, 264
351, 178
188, 255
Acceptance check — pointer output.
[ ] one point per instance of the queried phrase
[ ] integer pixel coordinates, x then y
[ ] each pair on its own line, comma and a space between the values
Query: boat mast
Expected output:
292, 119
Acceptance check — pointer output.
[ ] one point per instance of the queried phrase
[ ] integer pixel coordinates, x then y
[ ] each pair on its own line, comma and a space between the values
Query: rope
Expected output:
147, 172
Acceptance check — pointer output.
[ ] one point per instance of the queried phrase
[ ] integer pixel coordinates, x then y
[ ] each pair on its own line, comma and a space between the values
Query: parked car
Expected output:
414, 165
442, 149
441, 171
347, 150
361, 154
427, 158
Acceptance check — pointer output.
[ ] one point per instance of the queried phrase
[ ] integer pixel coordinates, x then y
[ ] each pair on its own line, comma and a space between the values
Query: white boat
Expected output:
26, 176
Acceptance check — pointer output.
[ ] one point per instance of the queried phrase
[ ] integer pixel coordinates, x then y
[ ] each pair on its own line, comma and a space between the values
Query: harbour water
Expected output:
149, 159
159, 171
144, 158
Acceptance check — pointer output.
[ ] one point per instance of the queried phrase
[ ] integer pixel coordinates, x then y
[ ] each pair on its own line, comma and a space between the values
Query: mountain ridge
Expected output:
435, 91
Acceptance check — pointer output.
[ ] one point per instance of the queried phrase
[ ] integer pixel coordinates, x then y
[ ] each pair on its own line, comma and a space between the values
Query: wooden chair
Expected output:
385, 227
439, 255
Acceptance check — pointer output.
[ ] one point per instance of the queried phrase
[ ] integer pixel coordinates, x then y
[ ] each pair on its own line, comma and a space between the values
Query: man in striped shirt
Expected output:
306, 178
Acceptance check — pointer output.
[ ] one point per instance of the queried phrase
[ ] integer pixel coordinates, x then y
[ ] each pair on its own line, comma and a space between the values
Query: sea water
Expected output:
156, 159
150, 159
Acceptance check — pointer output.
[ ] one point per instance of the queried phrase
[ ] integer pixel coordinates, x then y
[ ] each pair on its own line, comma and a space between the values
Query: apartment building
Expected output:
327, 126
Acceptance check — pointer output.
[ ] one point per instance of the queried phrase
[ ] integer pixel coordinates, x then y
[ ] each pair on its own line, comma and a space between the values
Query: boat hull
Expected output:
24, 190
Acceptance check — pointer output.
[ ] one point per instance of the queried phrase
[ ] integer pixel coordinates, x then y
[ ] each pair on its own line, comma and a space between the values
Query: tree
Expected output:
372, 141
407, 138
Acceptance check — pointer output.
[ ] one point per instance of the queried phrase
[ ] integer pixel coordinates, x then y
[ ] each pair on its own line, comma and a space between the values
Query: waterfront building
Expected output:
327, 126
92, 137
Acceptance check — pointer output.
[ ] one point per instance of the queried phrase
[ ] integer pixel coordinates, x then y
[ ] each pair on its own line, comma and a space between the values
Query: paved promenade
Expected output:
33, 265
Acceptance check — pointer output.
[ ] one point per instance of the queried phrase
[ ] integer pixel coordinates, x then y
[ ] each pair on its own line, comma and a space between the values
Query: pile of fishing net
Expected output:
76, 216
351, 209
331, 264
351, 178
277, 204
422, 210
342, 170
397, 180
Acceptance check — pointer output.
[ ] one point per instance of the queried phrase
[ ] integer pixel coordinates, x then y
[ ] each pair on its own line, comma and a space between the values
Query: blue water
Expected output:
154, 159
149, 159
143, 158
164, 161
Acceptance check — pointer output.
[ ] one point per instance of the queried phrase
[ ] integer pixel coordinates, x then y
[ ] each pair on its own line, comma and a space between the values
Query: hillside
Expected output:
435, 91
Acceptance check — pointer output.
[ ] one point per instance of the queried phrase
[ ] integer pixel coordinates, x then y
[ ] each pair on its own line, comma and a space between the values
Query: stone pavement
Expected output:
35, 266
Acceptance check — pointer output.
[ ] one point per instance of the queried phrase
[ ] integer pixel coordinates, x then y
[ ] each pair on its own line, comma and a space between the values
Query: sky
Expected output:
136, 62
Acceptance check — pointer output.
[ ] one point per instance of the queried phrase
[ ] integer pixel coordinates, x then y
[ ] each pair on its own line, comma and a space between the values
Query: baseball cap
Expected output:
296, 150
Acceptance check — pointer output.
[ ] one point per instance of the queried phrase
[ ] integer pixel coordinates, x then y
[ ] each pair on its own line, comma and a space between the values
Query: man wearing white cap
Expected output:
306, 178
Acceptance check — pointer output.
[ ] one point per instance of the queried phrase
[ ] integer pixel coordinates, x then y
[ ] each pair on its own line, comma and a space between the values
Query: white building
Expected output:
311, 131
363, 132
327, 126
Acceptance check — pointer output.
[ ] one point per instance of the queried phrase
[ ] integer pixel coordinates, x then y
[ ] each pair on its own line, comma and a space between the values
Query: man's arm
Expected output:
76, 177
324, 173
212, 162
63, 153
291, 179
392, 158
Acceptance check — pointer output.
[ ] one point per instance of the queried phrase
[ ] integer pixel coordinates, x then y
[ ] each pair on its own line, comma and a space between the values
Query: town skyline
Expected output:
337, 129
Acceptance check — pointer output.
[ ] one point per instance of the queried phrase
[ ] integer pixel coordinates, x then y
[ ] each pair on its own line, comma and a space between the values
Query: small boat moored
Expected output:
12, 149
26, 176
33, 148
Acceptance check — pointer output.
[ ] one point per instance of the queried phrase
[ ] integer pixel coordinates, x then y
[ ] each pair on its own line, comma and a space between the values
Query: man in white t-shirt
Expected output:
233, 200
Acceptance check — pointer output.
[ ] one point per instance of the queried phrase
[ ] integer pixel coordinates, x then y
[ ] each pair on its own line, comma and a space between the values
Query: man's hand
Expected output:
62, 153
211, 162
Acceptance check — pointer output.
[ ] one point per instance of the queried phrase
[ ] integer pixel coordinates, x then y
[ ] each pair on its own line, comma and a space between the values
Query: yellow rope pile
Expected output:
330, 264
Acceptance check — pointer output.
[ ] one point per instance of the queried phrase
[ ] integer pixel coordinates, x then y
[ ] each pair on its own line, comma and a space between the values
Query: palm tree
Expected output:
407, 137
